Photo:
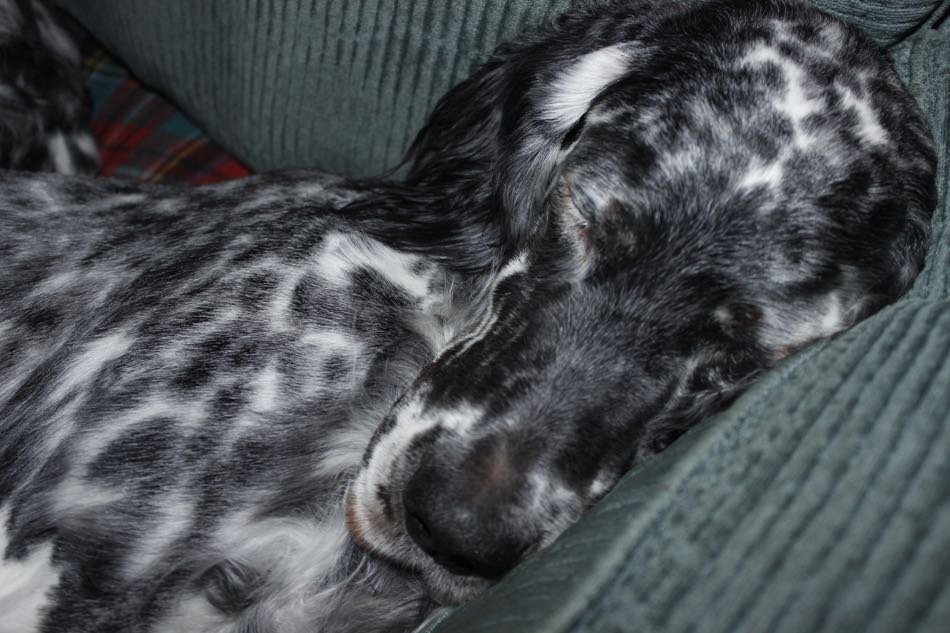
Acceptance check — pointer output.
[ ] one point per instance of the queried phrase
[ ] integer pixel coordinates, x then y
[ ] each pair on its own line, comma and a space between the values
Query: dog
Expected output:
296, 402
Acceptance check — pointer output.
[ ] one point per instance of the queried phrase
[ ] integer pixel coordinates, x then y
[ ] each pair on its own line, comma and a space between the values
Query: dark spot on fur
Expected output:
230, 586
145, 450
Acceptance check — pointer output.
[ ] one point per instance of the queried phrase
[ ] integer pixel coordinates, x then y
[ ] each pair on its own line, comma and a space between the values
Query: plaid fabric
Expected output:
144, 137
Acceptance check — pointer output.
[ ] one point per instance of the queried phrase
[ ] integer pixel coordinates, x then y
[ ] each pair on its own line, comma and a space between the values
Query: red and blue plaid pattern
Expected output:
144, 137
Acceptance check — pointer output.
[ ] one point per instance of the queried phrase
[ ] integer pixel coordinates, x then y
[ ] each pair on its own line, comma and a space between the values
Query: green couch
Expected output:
819, 502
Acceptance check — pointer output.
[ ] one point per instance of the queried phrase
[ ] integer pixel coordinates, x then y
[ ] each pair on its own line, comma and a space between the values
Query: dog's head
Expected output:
681, 200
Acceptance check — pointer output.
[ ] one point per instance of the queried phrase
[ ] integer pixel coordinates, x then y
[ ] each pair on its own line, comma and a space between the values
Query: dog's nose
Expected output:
470, 527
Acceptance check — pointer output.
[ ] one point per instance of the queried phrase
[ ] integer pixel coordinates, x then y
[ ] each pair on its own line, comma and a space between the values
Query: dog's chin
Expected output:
447, 588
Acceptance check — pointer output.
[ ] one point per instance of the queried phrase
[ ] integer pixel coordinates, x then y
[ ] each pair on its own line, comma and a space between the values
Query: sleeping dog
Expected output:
300, 403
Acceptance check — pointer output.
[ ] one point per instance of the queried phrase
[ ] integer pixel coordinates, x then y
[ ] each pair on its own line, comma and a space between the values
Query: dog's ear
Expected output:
461, 136
461, 151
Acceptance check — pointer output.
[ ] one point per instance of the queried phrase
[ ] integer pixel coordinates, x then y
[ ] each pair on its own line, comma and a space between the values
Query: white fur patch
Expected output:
59, 151
571, 93
266, 389
86, 144
795, 329
24, 584
75, 497
96, 354
869, 128
768, 175
795, 102
342, 254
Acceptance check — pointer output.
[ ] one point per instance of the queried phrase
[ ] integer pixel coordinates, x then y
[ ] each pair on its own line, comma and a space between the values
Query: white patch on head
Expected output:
459, 419
25, 584
570, 94
795, 101
869, 127
723, 316
515, 265
551, 498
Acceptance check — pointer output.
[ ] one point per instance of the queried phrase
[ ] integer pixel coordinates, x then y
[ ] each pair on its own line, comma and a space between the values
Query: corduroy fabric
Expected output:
819, 502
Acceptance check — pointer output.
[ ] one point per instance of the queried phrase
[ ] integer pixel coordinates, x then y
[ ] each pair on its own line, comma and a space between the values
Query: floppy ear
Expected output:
447, 207
461, 136
495, 140
462, 151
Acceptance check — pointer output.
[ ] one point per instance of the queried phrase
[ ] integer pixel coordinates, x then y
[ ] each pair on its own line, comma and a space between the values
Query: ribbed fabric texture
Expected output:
819, 502
887, 21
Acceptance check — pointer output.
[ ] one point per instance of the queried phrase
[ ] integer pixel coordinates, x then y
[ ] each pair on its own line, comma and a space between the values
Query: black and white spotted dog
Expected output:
297, 403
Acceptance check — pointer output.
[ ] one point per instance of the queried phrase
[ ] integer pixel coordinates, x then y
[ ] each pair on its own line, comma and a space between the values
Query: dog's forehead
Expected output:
568, 97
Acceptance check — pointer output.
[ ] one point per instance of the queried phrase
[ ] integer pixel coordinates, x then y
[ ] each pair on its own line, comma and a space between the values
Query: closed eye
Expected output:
572, 134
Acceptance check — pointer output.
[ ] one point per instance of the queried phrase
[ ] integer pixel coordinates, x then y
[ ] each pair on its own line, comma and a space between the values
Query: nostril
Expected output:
420, 533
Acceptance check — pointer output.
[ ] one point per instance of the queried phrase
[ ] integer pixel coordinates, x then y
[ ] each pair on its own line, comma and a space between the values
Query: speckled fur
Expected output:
44, 108
296, 403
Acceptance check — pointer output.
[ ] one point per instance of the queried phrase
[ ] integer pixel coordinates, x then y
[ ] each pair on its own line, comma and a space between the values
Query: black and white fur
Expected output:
44, 108
297, 403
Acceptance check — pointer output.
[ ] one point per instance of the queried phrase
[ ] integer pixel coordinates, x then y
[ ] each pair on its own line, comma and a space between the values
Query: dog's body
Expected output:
195, 380
294, 403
